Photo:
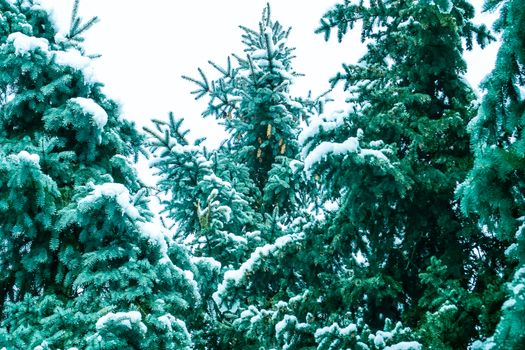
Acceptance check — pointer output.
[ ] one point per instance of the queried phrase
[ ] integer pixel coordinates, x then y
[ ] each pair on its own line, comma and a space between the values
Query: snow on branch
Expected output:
324, 123
90, 107
326, 149
235, 277
328, 127
29, 157
113, 190
74, 59
127, 319
25, 44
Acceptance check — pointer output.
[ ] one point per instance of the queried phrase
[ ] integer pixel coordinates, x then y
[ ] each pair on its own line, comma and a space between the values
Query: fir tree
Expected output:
232, 202
391, 164
274, 299
495, 187
126, 268
253, 101
81, 261
209, 197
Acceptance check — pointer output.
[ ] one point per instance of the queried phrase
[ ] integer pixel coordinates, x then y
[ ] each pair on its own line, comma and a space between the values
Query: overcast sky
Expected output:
147, 46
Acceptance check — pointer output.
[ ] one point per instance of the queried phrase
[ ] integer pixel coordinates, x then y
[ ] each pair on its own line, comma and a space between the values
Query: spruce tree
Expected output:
494, 188
398, 244
252, 100
208, 196
232, 202
82, 264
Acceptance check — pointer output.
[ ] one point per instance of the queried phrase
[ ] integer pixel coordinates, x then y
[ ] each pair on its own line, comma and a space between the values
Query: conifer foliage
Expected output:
82, 264
234, 204
396, 224
393, 162
252, 100
495, 186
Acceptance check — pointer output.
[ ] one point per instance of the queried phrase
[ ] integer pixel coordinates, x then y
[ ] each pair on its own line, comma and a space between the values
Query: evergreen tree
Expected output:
391, 165
232, 201
190, 174
253, 101
82, 264
209, 197
495, 186
126, 266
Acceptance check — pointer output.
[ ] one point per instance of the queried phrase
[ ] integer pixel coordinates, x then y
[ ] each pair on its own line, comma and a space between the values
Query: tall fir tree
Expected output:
399, 246
253, 101
82, 264
233, 201
495, 187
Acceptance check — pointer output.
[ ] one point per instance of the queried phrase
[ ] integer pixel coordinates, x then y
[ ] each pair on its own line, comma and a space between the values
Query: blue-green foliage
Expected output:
231, 202
392, 163
77, 244
495, 187
209, 198
252, 100
280, 239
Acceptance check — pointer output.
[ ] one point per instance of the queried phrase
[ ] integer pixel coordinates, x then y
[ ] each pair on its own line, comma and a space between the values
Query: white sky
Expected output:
147, 46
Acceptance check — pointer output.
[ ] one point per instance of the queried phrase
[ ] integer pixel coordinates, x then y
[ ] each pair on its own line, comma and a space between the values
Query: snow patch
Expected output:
234, 277
324, 123
324, 149
379, 342
237, 239
26, 156
447, 307
352, 328
521, 90
295, 165
25, 44
211, 262
351, 145
49, 7
360, 258
167, 321
405, 345
508, 304
124, 318
218, 181
259, 54
486, 345
74, 59
117, 191
98, 114
279, 327
335, 329
182, 325
374, 153
156, 235
258, 254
